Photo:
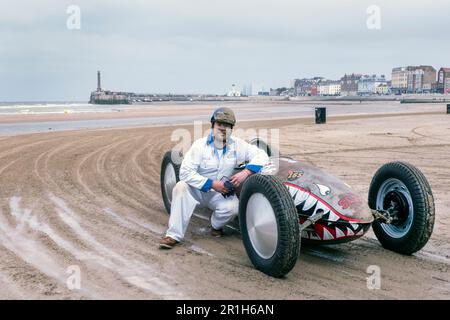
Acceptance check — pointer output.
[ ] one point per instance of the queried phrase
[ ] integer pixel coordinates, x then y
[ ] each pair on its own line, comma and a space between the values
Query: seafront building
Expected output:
306, 86
349, 84
329, 88
414, 79
443, 81
373, 84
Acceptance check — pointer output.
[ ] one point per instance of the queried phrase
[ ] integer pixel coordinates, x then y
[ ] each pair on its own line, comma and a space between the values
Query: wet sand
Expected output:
91, 198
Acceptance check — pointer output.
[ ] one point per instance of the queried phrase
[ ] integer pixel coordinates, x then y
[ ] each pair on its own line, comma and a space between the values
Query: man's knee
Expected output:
180, 188
230, 207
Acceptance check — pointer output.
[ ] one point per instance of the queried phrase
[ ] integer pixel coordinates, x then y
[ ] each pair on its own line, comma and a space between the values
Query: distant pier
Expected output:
101, 96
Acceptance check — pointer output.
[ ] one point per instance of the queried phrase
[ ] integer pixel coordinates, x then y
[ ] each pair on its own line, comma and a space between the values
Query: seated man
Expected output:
204, 176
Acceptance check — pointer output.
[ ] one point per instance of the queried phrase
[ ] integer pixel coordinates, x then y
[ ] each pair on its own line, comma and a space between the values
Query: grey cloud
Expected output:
204, 46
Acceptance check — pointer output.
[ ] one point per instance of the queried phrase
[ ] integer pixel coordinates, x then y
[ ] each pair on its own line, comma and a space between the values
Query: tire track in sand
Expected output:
42, 163
134, 272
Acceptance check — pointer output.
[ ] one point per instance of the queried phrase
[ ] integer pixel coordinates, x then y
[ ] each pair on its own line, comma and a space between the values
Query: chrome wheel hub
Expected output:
262, 225
394, 197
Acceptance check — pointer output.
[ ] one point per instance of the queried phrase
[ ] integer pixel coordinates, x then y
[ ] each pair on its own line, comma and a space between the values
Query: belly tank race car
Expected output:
291, 201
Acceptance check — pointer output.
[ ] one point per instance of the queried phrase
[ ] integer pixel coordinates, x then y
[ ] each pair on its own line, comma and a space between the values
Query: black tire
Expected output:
422, 220
288, 241
261, 144
167, 161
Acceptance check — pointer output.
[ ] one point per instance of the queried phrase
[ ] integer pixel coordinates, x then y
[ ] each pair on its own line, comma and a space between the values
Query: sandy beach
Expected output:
91, 198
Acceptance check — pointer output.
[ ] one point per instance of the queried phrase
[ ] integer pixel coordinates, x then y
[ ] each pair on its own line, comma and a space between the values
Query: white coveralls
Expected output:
201, 165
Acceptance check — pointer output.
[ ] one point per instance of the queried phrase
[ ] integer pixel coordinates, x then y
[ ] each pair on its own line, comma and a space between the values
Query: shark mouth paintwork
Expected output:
333, 226
345, 215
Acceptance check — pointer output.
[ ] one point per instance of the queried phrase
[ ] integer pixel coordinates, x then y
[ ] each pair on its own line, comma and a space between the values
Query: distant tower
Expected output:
99, 85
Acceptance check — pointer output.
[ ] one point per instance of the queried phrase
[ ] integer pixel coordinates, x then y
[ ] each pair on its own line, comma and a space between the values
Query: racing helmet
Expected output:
224, 115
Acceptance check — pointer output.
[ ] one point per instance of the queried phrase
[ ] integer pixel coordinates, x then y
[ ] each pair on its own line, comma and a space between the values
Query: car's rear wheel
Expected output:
261, 144
170, 175
403, 191
269, 225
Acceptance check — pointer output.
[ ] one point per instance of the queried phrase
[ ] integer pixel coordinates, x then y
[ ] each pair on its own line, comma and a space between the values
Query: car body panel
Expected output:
345, 215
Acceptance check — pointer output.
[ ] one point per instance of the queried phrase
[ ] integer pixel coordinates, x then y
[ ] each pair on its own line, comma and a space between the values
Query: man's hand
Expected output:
240, 177
219, 186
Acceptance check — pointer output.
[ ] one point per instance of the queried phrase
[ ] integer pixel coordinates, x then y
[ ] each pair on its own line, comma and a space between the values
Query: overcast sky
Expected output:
204, 46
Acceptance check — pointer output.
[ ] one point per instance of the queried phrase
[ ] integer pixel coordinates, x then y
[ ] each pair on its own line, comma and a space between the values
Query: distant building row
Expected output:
349, 85
412, 79
420, 79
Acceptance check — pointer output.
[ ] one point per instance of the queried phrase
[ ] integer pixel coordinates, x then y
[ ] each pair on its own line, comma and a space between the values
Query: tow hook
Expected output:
382, 215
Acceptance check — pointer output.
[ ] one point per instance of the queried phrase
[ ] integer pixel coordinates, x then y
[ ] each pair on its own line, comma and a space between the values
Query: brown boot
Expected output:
216, 232
167, 243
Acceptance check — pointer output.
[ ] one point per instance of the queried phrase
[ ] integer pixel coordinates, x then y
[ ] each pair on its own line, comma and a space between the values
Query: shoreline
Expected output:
181, 114
168, 108
299, 119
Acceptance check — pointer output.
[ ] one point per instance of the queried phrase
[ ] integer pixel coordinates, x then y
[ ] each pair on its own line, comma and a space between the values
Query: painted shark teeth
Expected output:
354, 225
327, 235
293, 192
339, 233
314, 236
333, 216
299, 197
309, 203
350, 232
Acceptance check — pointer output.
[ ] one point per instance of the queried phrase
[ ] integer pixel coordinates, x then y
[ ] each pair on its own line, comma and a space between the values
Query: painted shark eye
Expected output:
324, 190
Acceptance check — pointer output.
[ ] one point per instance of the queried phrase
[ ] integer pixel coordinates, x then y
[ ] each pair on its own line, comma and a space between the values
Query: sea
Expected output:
57, 107
42, 108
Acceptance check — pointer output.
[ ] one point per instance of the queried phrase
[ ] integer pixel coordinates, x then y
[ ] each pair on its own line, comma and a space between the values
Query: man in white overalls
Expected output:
208, 163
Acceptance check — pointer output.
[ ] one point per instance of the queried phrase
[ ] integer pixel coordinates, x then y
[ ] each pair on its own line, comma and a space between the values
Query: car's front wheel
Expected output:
269, 225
